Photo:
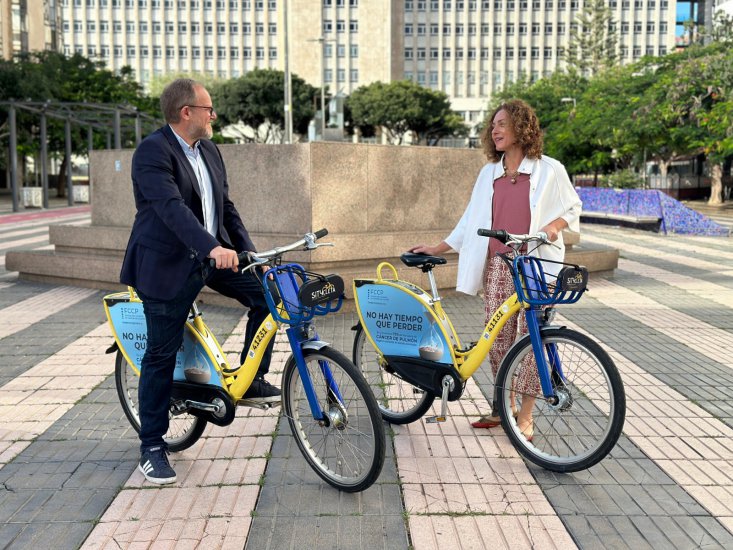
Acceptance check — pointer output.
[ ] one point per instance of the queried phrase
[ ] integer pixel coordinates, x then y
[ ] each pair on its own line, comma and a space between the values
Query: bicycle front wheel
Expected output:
399, 402
183, 430
346, 446
582, 426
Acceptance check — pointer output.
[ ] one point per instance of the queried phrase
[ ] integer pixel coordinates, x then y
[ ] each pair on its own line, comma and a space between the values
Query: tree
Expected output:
41, 76
594, 43
402, 107
253, 105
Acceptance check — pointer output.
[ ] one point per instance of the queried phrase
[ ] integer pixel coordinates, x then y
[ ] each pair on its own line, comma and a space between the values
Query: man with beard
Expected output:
184, 218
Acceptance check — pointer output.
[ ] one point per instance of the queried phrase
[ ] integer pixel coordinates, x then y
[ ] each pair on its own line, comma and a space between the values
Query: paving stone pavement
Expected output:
68, 455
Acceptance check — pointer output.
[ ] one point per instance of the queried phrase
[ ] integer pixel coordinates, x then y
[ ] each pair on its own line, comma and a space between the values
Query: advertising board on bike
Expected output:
399, 320
128, 319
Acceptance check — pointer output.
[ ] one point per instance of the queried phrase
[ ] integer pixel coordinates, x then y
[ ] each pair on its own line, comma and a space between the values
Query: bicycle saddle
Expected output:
412, 259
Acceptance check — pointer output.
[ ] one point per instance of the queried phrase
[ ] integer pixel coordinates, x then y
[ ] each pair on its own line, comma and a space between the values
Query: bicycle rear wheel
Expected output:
346, 447
585, 424
184, 429
399, 402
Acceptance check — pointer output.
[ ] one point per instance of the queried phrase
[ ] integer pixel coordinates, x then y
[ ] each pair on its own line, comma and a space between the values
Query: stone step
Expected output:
92, 256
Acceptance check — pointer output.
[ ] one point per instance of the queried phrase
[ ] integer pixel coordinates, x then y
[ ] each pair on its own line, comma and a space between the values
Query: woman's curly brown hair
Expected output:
526, 128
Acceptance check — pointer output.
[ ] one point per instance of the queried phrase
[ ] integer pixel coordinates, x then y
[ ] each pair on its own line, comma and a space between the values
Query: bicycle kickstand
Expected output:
448, 385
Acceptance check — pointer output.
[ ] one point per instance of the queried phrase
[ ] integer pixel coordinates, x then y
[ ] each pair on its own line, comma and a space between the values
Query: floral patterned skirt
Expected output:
498, 286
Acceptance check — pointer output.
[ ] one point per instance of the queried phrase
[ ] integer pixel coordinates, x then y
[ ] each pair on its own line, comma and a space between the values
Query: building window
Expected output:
273, 53
510, 53
484, 53
446, 53
434, 29
247, 53
328, 50
353, 25
434, 53
408, 54
354, 75
650, 29
209, 52
408, 29
421, 29
327, 25
196, 52
497, 29
340, 25
272, 28
259, 53
234, 52
328, 75
259, 28
341, 75
354, 51
421, 53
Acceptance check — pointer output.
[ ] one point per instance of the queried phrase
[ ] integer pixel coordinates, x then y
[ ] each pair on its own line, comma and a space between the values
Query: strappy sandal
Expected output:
486, 422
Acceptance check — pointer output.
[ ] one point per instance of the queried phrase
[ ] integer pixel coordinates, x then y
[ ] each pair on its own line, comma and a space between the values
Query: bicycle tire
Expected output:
399, 401
184, 429
581, 430
349, 454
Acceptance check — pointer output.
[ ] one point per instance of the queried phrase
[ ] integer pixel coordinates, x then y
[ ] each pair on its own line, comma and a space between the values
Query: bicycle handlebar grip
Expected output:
242, 257
498, 234
321, 233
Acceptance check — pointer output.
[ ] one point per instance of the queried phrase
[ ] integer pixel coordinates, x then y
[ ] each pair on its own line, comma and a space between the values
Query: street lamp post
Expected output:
288, 81
322, 40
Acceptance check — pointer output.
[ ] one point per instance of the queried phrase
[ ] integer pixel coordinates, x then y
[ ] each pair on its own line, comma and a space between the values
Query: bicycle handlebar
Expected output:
253, 259
514, 240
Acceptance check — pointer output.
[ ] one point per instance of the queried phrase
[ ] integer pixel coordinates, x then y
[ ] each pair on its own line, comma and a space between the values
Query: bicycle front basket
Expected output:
536, 287
295, 295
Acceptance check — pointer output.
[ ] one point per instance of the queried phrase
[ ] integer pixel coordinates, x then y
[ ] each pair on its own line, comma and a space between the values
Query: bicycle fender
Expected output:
315, 344
113, 348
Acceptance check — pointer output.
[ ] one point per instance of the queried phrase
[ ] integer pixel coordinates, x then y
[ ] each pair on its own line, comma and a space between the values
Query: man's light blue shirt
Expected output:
193, 154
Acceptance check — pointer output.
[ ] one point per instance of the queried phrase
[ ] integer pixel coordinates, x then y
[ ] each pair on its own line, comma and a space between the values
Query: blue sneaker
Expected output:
155, 467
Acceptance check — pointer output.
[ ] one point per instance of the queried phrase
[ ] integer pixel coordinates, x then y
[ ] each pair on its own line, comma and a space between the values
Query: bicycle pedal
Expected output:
258, 404
435, 419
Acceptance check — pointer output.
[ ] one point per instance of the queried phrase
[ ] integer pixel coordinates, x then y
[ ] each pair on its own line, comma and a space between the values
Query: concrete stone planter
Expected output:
32, 197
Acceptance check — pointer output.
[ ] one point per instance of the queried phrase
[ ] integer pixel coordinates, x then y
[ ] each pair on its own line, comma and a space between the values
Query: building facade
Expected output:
467, 48
29, 25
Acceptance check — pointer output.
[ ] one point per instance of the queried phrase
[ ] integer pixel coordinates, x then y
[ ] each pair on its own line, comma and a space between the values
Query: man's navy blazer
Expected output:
168, 237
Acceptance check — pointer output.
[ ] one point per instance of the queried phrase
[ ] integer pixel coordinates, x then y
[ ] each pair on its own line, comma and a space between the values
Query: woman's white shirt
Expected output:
551, 196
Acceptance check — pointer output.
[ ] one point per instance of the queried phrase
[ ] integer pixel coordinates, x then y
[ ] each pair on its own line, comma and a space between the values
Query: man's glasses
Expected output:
210, 109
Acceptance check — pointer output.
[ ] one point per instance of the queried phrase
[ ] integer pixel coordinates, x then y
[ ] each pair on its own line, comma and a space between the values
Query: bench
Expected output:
652, 223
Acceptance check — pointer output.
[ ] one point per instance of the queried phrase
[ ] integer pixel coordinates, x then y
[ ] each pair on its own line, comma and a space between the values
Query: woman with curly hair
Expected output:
522, 191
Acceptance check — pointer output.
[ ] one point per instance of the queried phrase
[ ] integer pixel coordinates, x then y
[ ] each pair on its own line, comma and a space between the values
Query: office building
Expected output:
29, 25
467, 48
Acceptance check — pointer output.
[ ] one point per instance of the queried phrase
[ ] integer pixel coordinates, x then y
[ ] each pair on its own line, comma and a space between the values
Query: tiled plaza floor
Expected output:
68, 455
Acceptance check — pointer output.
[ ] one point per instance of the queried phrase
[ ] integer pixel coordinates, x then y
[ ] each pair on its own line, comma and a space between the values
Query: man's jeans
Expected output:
165, 323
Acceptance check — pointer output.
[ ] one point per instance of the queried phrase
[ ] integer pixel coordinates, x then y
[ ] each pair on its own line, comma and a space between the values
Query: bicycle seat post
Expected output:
433, 286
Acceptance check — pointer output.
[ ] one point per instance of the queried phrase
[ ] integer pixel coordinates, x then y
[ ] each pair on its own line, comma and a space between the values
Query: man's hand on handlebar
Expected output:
224, 258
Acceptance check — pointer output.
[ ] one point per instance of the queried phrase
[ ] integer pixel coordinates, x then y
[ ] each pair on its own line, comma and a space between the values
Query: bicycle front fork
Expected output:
549, 368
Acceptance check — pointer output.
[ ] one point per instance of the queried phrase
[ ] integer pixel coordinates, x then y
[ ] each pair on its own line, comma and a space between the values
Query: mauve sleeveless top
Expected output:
509, 209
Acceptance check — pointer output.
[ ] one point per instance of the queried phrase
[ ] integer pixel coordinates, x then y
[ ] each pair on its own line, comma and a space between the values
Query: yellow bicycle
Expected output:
331, 410
407, 349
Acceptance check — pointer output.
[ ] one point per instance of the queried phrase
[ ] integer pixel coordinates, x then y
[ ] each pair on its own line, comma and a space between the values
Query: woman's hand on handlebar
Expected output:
224, 258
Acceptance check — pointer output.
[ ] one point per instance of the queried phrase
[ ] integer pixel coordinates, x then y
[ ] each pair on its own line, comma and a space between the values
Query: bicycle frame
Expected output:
129, 331
465, 362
